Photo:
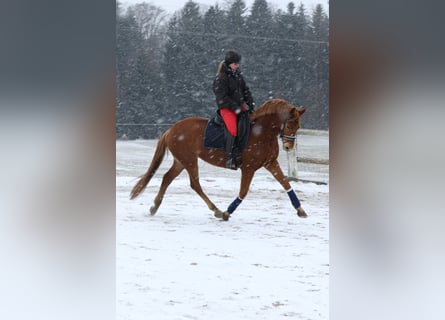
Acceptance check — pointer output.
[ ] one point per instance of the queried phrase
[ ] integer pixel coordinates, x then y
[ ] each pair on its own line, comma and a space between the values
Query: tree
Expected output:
165, 69
213, 44
261, 50
260, 19
128, 48
318, 67
235, 27
184, 56
138, 73
288, 65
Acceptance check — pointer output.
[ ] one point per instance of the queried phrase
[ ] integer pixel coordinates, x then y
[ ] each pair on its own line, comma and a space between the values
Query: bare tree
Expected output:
149, 18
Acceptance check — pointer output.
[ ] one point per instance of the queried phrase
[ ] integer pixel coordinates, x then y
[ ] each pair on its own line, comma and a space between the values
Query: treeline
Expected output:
166, 65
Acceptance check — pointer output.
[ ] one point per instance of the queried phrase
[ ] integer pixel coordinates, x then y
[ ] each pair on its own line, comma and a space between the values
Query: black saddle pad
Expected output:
215, 133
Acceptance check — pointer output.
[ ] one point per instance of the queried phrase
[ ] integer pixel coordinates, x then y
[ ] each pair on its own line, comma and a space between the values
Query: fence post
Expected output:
292, 163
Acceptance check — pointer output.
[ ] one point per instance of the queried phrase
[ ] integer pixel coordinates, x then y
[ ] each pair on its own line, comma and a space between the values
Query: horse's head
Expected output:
289, 127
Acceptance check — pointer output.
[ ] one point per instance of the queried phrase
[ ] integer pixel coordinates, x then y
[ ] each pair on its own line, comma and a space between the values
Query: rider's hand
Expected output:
244, 108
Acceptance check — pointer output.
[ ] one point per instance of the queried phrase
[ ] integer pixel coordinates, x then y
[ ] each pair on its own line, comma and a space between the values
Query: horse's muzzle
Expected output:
288, 142
288, 146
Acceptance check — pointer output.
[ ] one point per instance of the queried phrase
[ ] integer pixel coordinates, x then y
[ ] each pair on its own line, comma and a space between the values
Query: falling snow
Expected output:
183, 263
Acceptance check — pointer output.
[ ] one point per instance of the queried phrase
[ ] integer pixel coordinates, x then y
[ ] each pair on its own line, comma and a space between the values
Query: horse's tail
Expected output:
155, 163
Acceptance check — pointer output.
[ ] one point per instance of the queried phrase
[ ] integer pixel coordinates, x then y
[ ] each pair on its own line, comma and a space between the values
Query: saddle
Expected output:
216, 132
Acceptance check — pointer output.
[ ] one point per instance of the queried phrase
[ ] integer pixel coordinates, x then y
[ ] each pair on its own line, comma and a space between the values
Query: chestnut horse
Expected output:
184, 139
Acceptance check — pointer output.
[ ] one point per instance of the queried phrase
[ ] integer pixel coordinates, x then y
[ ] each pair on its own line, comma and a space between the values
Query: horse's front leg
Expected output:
246, 179
276, 171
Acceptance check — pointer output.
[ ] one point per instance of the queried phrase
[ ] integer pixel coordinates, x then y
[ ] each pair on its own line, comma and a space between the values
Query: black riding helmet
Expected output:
232, 57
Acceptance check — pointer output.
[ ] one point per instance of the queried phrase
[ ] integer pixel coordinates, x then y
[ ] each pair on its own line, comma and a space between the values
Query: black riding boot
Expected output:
230, 141
238, 159
236, 153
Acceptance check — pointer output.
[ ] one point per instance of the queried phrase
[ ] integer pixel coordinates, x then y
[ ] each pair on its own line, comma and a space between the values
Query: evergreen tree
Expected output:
183, 60
261, 51
165, 72
213, 44
260, 19
235, 27
302, 50
235, 18
128, 51
288, 64
318, 59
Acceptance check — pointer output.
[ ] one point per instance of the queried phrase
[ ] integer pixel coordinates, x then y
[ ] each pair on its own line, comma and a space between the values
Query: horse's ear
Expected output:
301, 110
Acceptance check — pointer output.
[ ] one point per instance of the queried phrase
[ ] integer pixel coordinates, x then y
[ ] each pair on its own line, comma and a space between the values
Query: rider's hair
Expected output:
220, 67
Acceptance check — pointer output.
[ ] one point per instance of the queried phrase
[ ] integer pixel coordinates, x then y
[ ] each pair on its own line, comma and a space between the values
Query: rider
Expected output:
232, 97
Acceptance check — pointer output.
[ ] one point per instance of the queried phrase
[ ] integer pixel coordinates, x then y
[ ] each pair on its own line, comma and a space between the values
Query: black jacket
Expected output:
231, 90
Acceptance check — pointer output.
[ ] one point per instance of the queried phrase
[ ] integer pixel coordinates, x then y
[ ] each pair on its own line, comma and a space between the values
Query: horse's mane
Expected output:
272, 106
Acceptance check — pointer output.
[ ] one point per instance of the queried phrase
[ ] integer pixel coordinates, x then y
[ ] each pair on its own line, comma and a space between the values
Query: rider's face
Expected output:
234, 66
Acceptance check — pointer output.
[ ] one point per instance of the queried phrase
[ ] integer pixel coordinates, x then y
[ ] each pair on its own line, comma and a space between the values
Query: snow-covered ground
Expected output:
182, 263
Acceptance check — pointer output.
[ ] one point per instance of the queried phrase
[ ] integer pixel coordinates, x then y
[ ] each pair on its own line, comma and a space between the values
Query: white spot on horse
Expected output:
181, 137
256, 130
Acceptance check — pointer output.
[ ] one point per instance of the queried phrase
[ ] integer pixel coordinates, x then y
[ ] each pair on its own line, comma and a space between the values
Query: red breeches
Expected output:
229, 117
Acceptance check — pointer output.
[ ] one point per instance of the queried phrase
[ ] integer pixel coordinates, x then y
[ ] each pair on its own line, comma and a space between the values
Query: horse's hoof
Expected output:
225, 216
218, 214
301, 213
153, 210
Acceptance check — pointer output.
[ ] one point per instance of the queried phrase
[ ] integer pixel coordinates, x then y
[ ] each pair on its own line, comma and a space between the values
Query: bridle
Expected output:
282, 135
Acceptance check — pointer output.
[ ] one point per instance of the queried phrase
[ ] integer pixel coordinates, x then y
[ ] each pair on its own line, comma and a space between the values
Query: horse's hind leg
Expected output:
169, 176
194, 183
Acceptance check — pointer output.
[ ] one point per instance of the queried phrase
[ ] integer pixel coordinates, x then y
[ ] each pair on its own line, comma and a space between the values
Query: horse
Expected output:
276, 117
